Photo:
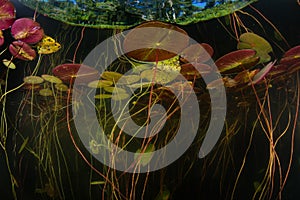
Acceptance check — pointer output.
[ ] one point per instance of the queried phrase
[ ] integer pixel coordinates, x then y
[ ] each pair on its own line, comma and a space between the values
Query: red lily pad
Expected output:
68, 71
27, 30
291, 57
197, 53
7, 14
163, 42
295, 67
194, 71
237, 61
277, 71
1, 38
22, 50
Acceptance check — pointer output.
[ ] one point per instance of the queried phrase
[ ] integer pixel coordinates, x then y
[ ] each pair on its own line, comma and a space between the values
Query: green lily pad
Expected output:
9, 64
33, 80
103, 96
161, 77
111, 76
129, 79
46, 92
61, 87
257, 43
114, 89
120, 96
51, 79
100, 83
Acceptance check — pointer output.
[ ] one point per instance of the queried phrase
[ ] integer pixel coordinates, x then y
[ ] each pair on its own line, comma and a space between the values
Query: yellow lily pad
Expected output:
112, 76
100, 83
114, 89
103, 96
61, 87
45, 92
33, 80
51, 79
9, 64
120, 96
145, 157
129, 79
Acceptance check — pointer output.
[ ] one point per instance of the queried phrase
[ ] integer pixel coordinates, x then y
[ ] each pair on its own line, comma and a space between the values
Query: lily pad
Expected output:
46, 92
103, 96
61, 87
291, 57
51, 79
161, 38
33, 80
111, 76
9, 64
27, 30
7, 14
129, 79
100, 83
114, 89
237, 61
68, 71
199, 53
119, 96
194, 71
295, 67
257, 43
245, 76
160, 77
22, 50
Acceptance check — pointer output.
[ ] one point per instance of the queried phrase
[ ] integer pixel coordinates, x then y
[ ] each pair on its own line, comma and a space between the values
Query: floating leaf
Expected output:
295, 67
46, 92
51, 79
100, 83
257, 43
193, 71
9, 64
111, 76
103, 96
33, 80
7, 15
114, 89
199, 53
160, 77
68, 71
129, 79
27, 30
161, 38
237, 61
291, 57
22, 51
119, 96
48, 45
61, 87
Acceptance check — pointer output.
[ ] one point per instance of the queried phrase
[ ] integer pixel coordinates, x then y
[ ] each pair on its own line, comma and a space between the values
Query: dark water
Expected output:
188, 177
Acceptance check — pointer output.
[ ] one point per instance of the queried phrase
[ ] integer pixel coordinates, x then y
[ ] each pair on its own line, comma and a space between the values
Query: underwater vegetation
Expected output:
73, 103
